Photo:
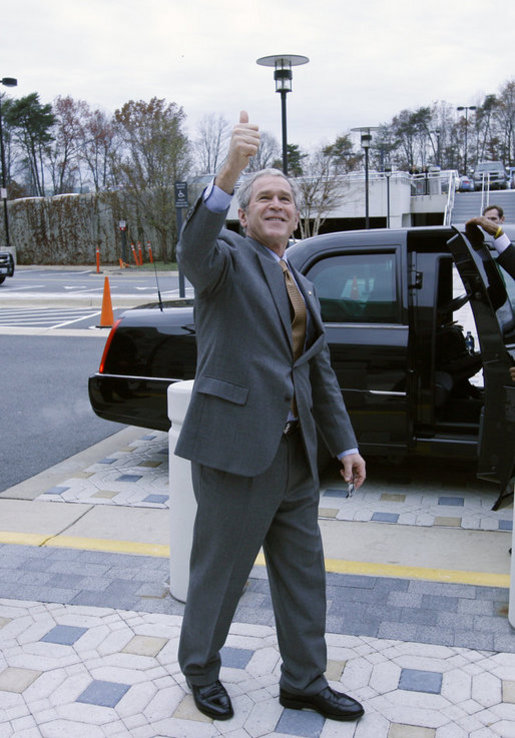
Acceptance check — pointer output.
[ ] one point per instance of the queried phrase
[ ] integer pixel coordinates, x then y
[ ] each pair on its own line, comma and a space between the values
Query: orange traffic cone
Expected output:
106, 317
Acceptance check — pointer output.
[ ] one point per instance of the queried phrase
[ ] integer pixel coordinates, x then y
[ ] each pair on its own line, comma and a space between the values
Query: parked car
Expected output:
465, 184
6, 265
490, 175
398, 349
511, 177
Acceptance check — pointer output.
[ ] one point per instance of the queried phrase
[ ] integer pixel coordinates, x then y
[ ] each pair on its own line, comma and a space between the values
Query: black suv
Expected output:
397, 305
6, 265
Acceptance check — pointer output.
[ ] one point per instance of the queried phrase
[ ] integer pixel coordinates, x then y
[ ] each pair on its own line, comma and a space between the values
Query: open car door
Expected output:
495, 324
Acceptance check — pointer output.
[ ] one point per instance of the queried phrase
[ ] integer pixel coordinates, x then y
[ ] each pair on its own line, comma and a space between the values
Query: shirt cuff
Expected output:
501, 243
348, 452
216, 199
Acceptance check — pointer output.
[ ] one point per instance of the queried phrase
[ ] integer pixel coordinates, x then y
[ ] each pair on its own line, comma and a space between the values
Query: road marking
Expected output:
45, 317
77, 320
83, 289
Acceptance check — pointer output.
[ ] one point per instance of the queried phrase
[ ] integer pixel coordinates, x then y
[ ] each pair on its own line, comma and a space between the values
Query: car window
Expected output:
357, 288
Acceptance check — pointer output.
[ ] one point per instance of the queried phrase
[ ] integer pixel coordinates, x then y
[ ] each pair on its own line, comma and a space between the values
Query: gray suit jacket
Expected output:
245, 369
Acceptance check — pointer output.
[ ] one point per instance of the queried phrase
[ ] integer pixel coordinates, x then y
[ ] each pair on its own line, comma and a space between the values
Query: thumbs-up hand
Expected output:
244, 145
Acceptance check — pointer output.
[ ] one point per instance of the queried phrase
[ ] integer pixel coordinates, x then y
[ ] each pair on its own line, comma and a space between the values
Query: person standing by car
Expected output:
492, 222
263, 386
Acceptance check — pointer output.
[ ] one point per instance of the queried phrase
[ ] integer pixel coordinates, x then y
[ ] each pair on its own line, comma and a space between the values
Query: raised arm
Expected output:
244, 144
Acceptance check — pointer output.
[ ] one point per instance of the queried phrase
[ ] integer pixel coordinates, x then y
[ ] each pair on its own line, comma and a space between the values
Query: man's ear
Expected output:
242, 215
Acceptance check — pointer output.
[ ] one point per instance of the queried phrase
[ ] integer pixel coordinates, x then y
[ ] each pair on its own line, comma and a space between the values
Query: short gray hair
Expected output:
245, 189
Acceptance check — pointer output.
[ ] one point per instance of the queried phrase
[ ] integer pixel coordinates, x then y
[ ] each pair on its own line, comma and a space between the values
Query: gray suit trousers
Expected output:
236, 515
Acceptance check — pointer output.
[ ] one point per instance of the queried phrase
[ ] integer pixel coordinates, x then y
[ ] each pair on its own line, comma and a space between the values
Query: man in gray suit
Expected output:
264, 386
492, 222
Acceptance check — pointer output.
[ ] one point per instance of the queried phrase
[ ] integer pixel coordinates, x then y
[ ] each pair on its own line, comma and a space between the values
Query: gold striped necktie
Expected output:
298, 311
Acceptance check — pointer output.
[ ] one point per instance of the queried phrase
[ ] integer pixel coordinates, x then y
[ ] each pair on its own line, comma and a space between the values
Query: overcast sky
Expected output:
369, 59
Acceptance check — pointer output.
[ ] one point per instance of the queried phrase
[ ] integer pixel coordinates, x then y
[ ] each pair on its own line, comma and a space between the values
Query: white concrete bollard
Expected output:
511, 606
182, 500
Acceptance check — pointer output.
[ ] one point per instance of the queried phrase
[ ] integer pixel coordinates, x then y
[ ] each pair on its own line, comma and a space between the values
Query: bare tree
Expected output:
97, 149
211, 144
267, 153
63, 154
321, 191
153, 154
505, 115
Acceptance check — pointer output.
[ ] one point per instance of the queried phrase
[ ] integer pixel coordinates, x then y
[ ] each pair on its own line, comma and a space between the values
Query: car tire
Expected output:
2, 278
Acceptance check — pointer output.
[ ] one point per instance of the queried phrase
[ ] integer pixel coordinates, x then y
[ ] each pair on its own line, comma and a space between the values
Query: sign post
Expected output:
122, 225
181, 202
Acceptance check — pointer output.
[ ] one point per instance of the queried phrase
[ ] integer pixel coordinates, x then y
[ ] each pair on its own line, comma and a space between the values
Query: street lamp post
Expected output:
387, 174
7, 82
282, 64
366, 139
466, 108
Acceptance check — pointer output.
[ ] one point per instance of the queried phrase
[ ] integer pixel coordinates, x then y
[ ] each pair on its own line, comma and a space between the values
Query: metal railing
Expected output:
485, 197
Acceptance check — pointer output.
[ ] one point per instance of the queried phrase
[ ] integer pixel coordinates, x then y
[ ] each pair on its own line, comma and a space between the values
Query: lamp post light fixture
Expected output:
283, 64
466, 108
366, 140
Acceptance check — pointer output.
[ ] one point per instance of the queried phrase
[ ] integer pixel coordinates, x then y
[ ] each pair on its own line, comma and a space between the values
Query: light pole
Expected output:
366, 140
7, 82
466, 108
282, 64
388, 174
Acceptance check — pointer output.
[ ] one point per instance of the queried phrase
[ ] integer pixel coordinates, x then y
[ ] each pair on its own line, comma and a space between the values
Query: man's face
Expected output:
271, 216
493, 215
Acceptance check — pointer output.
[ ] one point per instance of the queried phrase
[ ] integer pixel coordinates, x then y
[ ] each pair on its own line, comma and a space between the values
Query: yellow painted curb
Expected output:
24, 539
104, 544
453, 576
336, 566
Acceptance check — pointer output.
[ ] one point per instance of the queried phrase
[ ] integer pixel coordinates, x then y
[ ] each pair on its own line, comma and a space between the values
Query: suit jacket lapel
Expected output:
275, 280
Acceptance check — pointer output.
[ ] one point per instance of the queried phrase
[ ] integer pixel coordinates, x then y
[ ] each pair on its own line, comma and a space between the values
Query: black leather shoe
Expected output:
212, 700
330, 704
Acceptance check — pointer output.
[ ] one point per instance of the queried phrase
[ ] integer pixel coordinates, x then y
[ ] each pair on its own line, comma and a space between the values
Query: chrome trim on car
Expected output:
387, 392
135, 378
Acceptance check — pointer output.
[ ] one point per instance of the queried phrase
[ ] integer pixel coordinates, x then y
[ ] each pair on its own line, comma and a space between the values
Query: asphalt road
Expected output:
85, 281
45, 414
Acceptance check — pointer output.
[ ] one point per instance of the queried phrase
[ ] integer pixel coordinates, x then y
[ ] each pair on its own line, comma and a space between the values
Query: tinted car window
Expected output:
357, 288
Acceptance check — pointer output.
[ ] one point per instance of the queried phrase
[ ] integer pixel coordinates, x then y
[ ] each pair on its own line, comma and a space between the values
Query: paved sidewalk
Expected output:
417, 608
